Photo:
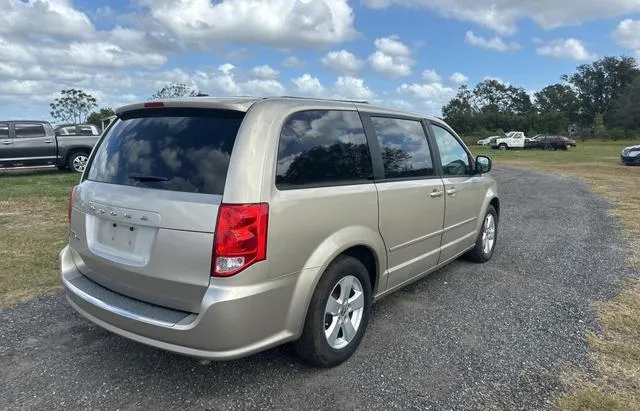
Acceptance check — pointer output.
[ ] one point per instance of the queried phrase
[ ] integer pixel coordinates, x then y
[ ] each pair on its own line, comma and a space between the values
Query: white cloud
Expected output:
342, 61
459, 78
627, 35
226, 80
308, 85
257, 87
496, 43
503, 15
226, 68
572, 49
392, 57
427, 92
294, 62
278, 23
352, 88
428, 97
36, 18
265, 72
393, 46
431, 76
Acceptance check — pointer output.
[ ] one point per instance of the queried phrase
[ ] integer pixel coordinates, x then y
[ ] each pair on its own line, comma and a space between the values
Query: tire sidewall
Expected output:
340, 268
487, 256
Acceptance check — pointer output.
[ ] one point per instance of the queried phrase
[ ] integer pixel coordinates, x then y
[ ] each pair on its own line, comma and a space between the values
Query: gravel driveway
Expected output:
492, 336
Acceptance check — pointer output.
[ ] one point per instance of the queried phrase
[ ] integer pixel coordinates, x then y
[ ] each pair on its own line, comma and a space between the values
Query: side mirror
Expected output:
483, 164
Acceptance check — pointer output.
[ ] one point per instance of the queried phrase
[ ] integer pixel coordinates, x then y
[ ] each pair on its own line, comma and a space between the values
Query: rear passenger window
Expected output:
169, 149
323, 148
4, 130
405, 151
29, 130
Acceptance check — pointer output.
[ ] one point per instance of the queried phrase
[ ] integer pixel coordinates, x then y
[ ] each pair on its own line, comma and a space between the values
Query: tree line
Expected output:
598, 100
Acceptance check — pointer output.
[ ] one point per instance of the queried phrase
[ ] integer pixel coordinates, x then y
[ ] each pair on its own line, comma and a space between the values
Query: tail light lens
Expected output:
72, 199
240, 239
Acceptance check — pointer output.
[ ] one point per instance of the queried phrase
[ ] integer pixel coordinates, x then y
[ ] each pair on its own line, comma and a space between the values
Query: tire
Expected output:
314, 345
480, 253
77, 161
503, 146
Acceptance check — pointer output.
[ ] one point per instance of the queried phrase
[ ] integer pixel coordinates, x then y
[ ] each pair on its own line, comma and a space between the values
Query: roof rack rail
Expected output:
327, 99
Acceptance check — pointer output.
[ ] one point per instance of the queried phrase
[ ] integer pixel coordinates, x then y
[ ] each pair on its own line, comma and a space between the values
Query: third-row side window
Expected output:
323, 147
405, 151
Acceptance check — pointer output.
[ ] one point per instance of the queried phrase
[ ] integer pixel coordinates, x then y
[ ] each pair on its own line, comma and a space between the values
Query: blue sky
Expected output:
393, 52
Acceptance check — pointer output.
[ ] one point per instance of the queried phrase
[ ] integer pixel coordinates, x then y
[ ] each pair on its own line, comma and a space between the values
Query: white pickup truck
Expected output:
513, 139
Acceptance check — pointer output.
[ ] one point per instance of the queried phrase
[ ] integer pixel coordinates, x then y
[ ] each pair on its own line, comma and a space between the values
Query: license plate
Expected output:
117, 235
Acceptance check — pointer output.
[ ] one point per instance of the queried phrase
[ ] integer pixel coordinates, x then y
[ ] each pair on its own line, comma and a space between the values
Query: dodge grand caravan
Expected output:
217, 228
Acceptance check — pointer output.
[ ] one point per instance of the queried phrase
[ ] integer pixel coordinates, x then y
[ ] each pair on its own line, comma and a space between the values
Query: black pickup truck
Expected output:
36, 143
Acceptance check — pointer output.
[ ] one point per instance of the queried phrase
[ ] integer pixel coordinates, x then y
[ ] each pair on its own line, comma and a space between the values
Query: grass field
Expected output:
33, 214
33, 218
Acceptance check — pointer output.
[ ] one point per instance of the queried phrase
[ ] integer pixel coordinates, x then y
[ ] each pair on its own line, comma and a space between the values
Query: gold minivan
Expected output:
220, 227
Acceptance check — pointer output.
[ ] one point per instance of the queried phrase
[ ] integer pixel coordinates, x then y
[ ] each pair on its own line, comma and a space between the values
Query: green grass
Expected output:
23, 183
33, 209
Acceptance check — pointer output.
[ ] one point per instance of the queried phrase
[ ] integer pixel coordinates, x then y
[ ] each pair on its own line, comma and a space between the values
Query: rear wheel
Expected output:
78, 161
338, 314
502, 146
486, 241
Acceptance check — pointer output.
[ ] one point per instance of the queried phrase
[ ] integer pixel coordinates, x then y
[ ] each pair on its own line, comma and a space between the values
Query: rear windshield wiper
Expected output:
147, 179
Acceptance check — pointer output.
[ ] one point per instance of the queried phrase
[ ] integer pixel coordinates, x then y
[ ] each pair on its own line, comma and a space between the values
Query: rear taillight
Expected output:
72, 199
240, 239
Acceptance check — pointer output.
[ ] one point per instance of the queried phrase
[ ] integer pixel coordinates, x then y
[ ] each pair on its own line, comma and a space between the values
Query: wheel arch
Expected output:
370, 252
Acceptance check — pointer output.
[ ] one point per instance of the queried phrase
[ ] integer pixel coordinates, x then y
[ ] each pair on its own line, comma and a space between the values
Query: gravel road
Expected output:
492, 336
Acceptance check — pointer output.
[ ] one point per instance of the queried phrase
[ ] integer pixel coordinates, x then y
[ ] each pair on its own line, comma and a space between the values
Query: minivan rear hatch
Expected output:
145, 213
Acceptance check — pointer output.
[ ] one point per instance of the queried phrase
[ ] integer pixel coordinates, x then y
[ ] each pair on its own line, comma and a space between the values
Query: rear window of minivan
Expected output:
174, 149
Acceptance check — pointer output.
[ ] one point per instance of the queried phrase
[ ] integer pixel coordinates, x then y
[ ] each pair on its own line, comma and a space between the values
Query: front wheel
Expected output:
338, 314
486, 241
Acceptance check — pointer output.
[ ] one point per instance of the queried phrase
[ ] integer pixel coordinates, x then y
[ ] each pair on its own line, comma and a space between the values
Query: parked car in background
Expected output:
631, 155
552, 142
292, 217
487, 141
76, 130
512, 139
34, 143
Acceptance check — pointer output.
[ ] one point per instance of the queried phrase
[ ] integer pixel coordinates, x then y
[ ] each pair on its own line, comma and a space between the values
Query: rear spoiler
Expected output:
195, 102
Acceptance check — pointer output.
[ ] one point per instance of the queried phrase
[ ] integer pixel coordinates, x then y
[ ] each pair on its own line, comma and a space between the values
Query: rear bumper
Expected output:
232, 322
